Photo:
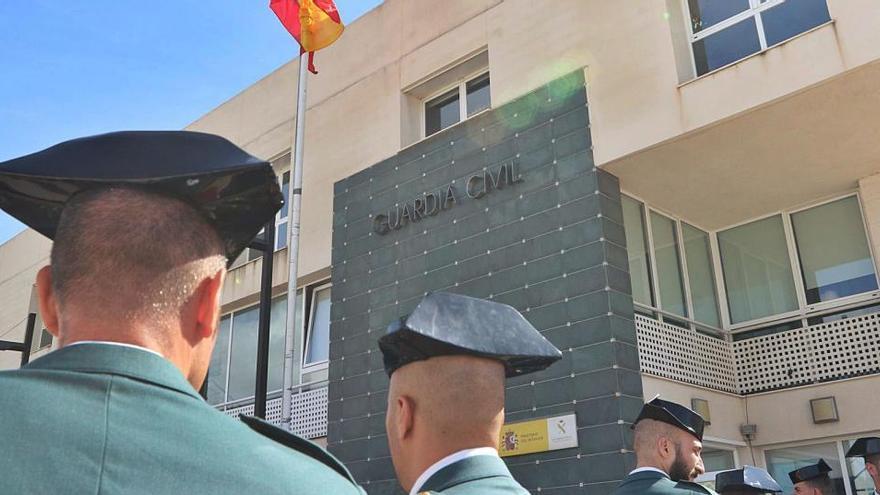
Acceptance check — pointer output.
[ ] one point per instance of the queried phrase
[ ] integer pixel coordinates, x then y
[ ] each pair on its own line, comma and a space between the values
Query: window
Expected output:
467, 98
669, 278
781, 461
724, 31
860, 481
715, 461
674, 245
833, 251
701, 276
317, 338
233, 366
757, 270
637, 251
281, 217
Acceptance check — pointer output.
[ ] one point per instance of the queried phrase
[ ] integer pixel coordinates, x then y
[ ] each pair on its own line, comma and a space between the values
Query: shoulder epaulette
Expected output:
297, 443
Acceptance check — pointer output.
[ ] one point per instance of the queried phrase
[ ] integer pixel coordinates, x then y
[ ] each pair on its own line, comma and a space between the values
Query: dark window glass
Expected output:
281, 236
478, 95
792, 18
243, 364
218, 367
441, 112
842, 315
726, 46
45, 339
706, 13
285, 190
277, 331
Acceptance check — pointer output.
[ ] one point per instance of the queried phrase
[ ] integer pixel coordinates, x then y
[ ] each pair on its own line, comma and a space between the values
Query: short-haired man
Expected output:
747, 480
144, 224
668, 443
447, 362
812, 479
869, 449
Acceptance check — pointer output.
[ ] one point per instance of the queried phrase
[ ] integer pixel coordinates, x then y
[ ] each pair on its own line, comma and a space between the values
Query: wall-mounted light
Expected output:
824, 410
701, 406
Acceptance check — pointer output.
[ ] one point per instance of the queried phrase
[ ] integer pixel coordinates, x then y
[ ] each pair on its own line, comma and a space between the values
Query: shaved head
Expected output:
442, 405
136, 255
668, 448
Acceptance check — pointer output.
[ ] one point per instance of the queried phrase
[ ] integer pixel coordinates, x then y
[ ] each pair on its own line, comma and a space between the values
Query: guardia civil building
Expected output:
682, 195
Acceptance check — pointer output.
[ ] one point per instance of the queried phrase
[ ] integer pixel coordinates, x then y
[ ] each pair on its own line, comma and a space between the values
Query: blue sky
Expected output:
75, 68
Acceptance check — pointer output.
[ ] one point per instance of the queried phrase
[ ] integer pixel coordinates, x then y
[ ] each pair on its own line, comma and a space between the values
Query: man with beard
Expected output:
869, 449
668, 442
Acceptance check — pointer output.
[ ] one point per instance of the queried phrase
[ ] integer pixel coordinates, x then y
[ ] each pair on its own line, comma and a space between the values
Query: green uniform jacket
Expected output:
102, 419
482, 474
655, 483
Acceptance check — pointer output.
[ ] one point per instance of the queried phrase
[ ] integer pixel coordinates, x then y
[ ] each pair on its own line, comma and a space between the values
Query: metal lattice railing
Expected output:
829, 351
309, 412
685, 355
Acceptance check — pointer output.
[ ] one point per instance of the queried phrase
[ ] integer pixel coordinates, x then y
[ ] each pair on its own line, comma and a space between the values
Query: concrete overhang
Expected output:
808, 145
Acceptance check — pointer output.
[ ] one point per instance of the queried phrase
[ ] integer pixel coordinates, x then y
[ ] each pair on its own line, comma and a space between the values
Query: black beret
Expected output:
450, 324
236, 192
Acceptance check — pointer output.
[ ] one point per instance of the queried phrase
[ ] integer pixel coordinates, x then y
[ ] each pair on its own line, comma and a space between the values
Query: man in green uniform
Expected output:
447, 361
869, 449
747, 480
667, 442
812, 479
144, 225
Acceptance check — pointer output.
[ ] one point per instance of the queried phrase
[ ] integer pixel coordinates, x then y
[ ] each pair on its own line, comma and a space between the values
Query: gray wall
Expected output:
551, 245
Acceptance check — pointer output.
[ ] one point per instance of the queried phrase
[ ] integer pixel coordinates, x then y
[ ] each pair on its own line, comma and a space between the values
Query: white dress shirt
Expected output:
450, 459
648, 468
119, 344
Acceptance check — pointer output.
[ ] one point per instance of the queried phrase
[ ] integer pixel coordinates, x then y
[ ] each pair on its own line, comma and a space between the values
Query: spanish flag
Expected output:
315, 24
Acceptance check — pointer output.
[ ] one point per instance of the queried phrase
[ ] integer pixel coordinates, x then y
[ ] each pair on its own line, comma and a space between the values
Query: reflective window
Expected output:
669, 279
757, 270
446, 110
833, 250
281, 221
781, 461
859, 480
724, 31
318, 336
441, 112
233, 368
793, 17
478, 95
637, 251
707, 13
726, 46
219, 362
701, 275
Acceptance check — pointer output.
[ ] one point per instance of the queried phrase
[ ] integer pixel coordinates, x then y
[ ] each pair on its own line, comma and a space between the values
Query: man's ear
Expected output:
665, 447
208, 310
405, 416
47, 301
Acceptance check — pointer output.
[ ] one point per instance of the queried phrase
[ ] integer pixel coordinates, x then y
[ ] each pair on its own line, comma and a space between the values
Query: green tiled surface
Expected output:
552, 246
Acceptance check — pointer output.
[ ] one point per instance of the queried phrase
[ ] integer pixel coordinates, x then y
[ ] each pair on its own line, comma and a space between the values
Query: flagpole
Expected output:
293, 214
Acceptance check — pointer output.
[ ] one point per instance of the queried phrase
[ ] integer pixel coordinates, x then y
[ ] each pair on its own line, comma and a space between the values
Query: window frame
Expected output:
756, 8
837, 440
801, 314
307, 328
461, 85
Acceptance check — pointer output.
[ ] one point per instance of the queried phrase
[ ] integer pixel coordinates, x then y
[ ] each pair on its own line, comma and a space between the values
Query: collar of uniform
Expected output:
648, 469
128, 361
477, 464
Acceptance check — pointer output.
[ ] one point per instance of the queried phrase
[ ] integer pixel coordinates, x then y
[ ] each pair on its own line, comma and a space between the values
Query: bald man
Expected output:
447, 365
132, 295
668, 445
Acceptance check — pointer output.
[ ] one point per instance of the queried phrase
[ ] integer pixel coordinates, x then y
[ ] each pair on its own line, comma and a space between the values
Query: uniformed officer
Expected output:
869, 449
812, 479
747, 480
667, 442
447, 362
144, 225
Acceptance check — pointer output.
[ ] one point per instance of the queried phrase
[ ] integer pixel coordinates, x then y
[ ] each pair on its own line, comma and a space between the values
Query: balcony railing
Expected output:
820, 353
309, 412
